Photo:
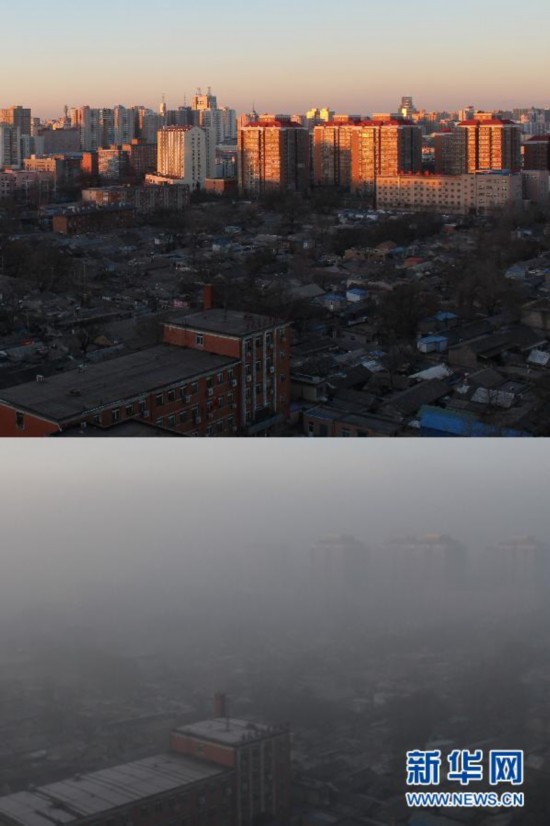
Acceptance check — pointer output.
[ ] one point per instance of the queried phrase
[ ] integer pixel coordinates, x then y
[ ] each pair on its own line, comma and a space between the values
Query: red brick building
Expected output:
262, 346
217, 374
182, 390
90, 219
220, 772
259, 756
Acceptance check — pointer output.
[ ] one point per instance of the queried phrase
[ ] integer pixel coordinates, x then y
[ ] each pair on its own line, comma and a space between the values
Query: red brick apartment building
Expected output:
220, 772
216, 374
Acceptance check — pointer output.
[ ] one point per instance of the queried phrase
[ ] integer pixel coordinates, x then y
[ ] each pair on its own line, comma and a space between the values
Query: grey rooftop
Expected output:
70, 395
93, 794
229, 730
227, 322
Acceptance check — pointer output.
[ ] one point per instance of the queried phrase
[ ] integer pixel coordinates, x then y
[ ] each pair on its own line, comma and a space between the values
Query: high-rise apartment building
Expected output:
183, 153
273, 154
10, 146
332, 153
18, 117
492, 143
537, 153
88, 121
124, 125
149, 125
450, 152
113, 163
205, 101
407, 107
387, 145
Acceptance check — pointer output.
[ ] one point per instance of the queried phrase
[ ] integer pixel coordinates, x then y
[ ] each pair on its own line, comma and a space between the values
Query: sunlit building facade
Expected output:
455, 194
182, 154
332, 153
492, 143
384, 146
273, 155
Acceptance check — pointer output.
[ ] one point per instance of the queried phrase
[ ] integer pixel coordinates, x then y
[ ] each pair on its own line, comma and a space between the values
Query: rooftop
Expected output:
229, 730
68, 395
92, 794
227, 322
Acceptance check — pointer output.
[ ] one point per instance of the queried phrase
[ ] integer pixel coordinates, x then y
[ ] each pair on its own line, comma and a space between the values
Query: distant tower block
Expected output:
220, 705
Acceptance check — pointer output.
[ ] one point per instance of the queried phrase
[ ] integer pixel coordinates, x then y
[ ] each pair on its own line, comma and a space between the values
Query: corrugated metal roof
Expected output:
99, 792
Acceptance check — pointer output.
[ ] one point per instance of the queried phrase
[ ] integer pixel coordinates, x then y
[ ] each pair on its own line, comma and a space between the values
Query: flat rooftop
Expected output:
231, 731
99, 792
230, 322
67, 396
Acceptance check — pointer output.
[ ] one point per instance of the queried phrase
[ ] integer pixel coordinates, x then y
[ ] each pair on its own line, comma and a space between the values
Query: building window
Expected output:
183, 416
172, 396
171, 421
209, 432
115, 415
20, 421
200, 341
220, 427
231, 422
194, 388
210, 382
130, 410
220, 378
160, 400
258, 366
230, 375
160, 422
221, 402
258, 389
346, 433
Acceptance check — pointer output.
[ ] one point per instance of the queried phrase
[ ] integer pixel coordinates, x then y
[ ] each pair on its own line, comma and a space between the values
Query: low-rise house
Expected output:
433, 344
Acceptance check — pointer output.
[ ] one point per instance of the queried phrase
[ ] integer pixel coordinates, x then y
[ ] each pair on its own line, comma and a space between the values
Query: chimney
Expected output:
220, 705
208, 297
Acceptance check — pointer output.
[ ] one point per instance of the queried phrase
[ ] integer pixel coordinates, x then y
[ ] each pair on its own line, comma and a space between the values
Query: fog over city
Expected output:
396, 593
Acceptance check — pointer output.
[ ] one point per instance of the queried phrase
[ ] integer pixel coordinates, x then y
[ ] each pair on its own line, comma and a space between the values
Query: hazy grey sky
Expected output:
157, 496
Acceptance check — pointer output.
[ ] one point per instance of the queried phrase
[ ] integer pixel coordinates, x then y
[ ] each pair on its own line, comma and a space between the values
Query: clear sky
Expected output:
357, 56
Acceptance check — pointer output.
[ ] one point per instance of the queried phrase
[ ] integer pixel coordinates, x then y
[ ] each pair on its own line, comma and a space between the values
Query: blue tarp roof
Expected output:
434, 339
437, 420
444, 316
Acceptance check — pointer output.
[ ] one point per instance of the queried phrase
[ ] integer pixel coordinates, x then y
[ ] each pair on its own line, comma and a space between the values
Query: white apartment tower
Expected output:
183, 154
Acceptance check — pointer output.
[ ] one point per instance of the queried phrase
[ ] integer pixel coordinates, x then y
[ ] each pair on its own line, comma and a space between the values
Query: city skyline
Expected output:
384, 54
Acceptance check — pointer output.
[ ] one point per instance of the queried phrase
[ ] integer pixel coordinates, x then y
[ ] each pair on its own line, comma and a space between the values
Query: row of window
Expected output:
172, 421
